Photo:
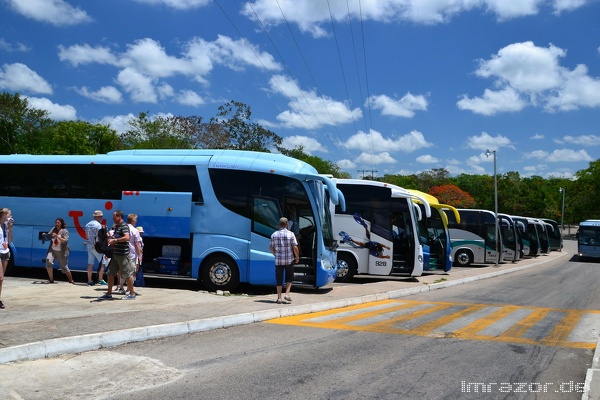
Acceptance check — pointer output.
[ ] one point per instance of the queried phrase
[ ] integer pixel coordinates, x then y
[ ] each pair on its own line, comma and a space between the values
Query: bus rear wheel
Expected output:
346, 268
220, 272
463, 258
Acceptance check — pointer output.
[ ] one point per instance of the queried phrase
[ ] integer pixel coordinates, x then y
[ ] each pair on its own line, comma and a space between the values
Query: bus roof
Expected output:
590, 222
397, 191
434, 202
220, 159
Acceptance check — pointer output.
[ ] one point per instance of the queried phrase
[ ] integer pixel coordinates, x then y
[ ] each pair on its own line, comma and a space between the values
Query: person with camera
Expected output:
58, 250
6, 221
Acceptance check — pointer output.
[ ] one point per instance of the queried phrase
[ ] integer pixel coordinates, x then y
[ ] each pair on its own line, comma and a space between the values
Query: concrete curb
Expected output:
588, 388
77, 344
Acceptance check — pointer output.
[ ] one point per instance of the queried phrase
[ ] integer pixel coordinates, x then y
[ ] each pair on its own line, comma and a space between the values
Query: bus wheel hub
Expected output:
220, 273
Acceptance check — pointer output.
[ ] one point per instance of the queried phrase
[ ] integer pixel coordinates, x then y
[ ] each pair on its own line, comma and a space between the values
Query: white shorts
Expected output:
94, 256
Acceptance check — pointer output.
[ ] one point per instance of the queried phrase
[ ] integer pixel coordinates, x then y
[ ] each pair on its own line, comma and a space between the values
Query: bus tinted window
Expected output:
269, 192
98, 181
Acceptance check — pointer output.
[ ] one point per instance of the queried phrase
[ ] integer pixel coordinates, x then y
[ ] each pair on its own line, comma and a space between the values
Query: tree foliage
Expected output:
453, 196
21, 127
27, 130
233, 118
322, 166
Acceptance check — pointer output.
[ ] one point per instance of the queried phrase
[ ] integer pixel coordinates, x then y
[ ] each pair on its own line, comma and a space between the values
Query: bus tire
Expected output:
220, 272
346, 267
463, 258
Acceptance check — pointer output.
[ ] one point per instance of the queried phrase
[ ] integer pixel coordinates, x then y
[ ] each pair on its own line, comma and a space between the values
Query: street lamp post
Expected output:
487, 154
562, 213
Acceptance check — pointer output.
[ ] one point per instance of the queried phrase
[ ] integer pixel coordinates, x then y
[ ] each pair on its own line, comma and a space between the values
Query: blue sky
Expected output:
377, 86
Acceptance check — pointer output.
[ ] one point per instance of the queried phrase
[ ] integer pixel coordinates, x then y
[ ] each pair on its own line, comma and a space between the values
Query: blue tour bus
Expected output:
218, 207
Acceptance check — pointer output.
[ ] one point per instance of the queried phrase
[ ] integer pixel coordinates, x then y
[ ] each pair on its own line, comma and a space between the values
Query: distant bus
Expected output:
588, 239
522, 234
378, 231
511, 239
530, 236
542, 229
474, 238
554, 235
219, 207
434, 235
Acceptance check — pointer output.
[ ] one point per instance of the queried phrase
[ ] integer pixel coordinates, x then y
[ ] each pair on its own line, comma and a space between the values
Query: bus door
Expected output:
166, 219
407, 243
380, 245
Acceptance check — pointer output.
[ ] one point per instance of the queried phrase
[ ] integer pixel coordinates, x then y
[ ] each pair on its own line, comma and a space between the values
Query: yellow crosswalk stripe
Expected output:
495, 322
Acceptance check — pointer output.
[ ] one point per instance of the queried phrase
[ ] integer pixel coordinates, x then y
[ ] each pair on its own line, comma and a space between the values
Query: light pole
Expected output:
562, 213
487, 154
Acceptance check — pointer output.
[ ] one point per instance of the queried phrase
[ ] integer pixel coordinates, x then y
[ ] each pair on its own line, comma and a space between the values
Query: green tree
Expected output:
481, 187
322, 166
234, 118
432, 177
21, 127
581, 202
405, 181
158, 133
77, 137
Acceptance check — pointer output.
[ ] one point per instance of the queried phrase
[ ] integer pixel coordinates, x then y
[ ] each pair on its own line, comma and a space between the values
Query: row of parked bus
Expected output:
220, 207
478, 239
386, 229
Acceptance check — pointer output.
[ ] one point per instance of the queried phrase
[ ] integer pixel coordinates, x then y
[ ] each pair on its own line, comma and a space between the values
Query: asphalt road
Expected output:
366, 352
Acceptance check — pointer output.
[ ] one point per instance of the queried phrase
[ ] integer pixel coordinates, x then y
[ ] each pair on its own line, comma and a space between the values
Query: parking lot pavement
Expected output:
43, 320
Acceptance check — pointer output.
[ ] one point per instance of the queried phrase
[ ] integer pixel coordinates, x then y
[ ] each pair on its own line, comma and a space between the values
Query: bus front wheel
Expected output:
463, 258
220, 273
346, 268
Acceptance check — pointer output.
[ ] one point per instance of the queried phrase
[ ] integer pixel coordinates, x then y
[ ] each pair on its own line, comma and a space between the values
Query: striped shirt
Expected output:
121, 248
283, 242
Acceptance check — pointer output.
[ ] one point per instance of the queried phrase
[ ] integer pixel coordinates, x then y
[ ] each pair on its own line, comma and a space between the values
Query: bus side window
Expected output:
265, 217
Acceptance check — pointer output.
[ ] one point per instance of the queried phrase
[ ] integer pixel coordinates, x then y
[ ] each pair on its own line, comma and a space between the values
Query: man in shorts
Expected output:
284, 247
120, 263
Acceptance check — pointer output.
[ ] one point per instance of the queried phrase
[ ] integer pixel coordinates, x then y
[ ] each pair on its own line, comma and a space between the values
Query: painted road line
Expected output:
492, 322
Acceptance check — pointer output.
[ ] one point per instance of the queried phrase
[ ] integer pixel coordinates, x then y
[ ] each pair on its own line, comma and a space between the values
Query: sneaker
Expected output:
121, 291
129, 297
106, 296
288, 299
278, 301
102, 282
91, 283
1, 305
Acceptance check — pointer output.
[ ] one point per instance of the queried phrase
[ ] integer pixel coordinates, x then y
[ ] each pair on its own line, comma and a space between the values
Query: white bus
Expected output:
474, 238
588, 239
378, 231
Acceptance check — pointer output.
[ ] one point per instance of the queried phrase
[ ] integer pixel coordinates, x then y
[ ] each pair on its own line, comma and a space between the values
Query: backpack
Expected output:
101, 244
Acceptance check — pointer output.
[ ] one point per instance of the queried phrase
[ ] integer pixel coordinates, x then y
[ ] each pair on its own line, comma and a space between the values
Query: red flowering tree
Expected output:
452, 195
